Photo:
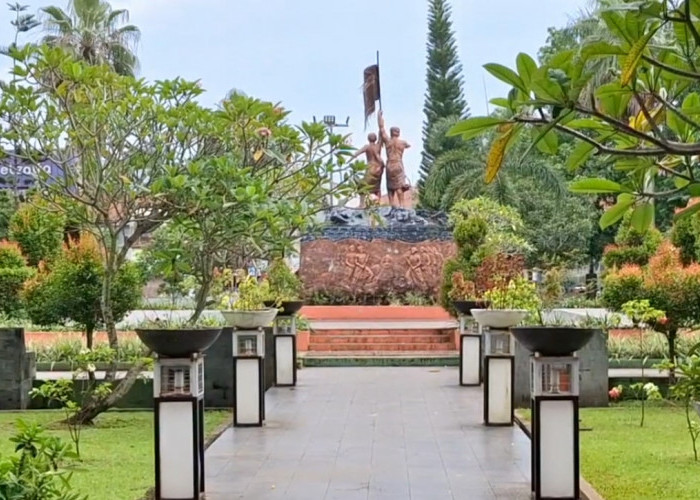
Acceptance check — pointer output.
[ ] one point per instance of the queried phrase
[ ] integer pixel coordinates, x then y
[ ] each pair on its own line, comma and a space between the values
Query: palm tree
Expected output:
458, 172
94, 33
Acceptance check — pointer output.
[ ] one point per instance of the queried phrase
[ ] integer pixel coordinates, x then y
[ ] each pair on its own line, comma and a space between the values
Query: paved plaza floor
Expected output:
371, 433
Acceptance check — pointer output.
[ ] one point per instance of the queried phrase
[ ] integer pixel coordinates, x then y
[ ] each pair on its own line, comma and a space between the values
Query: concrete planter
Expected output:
499, 318
250, 320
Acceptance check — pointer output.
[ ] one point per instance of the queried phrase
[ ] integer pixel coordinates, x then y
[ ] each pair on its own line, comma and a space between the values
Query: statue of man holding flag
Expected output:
396, 182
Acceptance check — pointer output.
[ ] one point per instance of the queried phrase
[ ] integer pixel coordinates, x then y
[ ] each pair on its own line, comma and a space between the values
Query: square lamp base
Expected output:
499, 372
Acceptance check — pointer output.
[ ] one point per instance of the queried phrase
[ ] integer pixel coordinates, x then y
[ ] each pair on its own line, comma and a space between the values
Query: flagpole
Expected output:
378, 84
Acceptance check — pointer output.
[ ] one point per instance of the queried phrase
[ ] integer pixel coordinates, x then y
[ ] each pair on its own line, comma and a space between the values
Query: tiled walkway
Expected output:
371, 433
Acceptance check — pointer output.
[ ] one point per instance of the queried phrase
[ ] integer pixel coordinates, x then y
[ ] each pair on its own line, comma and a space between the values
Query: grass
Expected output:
624, 461
117, 452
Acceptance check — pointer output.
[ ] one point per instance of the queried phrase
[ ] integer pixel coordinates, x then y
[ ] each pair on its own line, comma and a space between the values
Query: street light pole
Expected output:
330, 122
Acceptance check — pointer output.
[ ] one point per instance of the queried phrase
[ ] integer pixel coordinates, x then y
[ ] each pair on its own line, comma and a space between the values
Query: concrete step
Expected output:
354, 325
382, 332
382, 339
369, 358
358, 346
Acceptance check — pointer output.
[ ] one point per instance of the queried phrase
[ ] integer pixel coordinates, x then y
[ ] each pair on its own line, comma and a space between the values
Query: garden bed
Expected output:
624, 461
117, 452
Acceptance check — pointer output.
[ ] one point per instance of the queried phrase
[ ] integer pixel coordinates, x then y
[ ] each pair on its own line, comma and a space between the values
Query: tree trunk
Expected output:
95, 406
89, 334
206, 273
671, 336
201, 300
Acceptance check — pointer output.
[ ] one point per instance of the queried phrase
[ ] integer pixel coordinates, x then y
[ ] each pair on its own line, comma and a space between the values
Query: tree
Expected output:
645, 120
71, 289
38, 229
8, 205
133, 142
94, 33
485, 232
444, 97
13, 273
666, 284
22, 23
255, 201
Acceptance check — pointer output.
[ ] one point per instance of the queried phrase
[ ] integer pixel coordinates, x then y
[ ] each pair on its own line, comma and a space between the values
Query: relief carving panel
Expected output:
373, 267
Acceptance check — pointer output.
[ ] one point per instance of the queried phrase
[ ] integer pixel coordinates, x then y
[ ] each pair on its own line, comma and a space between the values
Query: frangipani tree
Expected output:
256, 199
120, 150
647, 120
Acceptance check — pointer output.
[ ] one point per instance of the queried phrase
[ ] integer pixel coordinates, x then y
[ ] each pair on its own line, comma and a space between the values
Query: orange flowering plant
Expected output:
666, 283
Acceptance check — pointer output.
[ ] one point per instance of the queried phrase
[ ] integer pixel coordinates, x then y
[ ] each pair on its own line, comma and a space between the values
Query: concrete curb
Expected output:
588, 492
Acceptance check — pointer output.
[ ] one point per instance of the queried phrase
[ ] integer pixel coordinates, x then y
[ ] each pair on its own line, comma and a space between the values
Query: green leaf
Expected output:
615, 22
472, 127
680, 182
589, 123
581, 153
686, 212
642, 216
677, 125
501, 102
526, 67
614, 99
601, 49
596, 185
546, 89
549, 144
694, 189
691, 104
617, 211
506, 75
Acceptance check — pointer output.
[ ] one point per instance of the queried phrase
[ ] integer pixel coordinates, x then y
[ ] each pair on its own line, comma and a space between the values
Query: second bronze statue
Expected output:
396, 182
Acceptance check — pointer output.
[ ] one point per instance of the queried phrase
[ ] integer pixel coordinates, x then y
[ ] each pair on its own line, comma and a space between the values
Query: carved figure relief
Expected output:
378, 266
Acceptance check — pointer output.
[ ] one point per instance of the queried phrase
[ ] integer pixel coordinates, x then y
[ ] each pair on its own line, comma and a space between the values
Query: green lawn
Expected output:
117, 453
626, 462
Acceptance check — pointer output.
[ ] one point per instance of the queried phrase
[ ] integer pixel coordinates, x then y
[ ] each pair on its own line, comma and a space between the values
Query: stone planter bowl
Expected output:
499, 318
553, 340
250, 320
178, 343
287, 307
465, 307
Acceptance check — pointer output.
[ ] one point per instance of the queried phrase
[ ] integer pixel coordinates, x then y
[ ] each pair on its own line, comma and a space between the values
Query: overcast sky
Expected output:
309, 54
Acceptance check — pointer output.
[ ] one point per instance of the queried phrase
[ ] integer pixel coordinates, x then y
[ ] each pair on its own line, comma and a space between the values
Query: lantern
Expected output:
248, 378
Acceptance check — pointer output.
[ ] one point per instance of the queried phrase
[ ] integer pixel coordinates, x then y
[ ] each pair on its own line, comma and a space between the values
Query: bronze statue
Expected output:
375, 167
396, 183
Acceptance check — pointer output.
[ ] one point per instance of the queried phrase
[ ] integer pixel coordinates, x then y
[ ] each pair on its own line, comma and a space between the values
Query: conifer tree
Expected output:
444, 97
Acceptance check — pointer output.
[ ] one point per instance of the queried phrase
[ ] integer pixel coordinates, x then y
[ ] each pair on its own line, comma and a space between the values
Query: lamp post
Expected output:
178, 397
470, 343
554, 386
499, 362
248, 377
284, 330
331, 123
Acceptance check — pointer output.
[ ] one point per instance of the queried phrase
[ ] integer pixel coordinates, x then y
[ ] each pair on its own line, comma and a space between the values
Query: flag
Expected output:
370, 90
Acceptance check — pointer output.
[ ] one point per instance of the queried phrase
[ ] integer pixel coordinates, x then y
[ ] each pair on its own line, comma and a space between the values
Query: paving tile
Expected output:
373, 434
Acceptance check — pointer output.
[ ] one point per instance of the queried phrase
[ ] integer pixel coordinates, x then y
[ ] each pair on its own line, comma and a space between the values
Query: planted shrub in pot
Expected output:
174, 338
285, 289
509, 303
463, 295
248, 311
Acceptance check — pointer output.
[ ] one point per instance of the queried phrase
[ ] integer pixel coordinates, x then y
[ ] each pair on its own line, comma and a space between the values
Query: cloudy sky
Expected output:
309, 54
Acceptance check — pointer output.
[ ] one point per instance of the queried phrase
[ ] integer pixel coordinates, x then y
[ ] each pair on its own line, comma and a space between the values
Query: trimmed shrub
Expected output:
13, 273
72, 289
38, 231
